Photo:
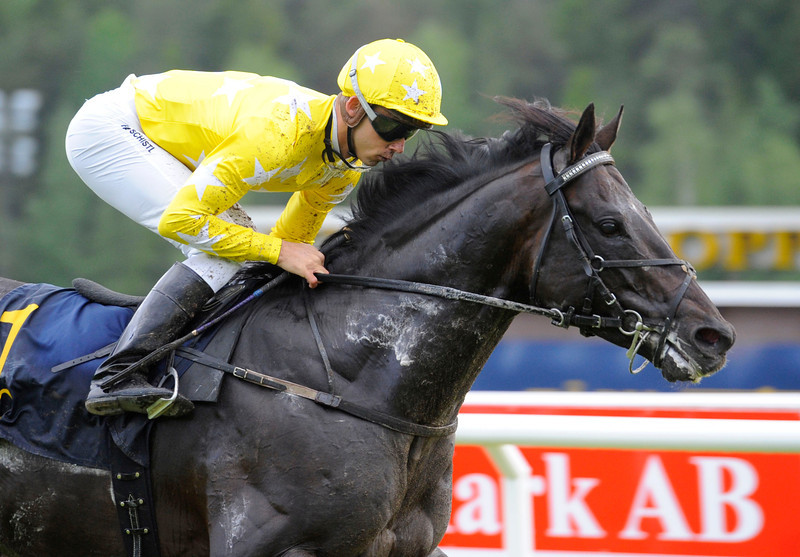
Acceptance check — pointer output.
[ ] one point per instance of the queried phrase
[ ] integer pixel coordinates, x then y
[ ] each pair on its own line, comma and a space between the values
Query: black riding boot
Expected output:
169, 307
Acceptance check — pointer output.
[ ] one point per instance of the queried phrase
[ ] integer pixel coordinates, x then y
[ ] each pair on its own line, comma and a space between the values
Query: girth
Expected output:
320, 397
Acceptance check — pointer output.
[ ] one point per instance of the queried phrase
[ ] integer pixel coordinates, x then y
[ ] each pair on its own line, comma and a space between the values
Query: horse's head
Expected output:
475, 215
604, 264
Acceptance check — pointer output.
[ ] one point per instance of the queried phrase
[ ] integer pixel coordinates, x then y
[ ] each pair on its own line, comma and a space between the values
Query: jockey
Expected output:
176, 151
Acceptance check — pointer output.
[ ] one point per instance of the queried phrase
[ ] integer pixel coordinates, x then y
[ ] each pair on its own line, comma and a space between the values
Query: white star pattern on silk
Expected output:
204, 177
293, 171
231, 87
260, 175
342, 196
413, 92
149, 83
370, 61
195, 163
296, 99
201, 240
328, 173
417, 67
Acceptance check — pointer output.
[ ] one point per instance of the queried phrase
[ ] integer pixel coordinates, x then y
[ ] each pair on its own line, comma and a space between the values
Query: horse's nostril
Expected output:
708, 336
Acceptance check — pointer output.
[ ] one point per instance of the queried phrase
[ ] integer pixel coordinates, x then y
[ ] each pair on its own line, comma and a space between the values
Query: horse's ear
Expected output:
608, 134
583, 136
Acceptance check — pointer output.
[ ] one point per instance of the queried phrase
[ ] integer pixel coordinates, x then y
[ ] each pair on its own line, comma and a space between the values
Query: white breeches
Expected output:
108, 150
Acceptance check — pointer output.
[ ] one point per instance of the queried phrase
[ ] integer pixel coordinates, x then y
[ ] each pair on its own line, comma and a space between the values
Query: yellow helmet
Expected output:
396, 75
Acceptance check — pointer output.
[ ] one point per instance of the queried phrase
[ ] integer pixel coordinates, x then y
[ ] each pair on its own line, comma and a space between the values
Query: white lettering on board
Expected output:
569, 514
479, 514
714, 500
655, 498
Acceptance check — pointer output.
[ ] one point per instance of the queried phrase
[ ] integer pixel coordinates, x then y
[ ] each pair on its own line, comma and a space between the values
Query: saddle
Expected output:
201, 383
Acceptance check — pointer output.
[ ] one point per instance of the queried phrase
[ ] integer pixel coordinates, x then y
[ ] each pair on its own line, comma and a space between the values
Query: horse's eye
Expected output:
609, 227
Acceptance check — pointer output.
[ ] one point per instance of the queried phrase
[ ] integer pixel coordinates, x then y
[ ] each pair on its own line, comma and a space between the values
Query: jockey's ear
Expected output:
352, 111
608, 134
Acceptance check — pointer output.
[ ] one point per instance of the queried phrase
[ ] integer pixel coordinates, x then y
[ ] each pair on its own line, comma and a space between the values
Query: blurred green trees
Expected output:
710, 89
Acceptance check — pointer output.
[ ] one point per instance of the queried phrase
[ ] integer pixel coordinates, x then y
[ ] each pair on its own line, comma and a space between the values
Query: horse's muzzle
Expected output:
702, 355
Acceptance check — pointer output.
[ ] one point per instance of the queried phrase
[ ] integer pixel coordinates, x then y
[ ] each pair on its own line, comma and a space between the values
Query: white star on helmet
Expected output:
372, 60
418, 67
413, 92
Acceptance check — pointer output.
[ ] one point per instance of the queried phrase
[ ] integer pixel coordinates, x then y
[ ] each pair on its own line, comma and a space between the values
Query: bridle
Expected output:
593, 265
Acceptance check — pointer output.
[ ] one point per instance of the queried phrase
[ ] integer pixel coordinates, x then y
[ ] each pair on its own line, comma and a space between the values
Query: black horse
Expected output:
266, 473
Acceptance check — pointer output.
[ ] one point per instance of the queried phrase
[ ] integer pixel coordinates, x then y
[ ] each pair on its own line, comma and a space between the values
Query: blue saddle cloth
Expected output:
42, 412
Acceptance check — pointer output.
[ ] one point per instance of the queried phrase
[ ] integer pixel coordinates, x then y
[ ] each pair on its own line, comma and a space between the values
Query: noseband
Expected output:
594, 264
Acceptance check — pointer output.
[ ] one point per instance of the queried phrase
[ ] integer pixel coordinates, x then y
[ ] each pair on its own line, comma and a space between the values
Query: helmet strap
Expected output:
332, 142
357, 90
350, 144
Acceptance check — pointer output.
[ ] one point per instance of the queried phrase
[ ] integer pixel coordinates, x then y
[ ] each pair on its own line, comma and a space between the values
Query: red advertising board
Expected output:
590, 501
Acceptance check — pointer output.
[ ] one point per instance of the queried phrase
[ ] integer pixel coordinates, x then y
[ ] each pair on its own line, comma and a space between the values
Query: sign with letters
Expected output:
738, 250
630, 502
734, 239
661, 503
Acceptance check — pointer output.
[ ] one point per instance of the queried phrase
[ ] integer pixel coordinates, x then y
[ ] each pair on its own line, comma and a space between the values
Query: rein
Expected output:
445, 292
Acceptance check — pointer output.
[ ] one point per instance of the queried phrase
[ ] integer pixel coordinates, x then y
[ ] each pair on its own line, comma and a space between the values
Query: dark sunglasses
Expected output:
392, 130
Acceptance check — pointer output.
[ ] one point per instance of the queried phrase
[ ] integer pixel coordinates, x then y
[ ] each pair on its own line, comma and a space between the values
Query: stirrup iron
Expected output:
162, 405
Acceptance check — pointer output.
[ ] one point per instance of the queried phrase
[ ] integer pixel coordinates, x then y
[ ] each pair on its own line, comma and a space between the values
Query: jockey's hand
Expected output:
303, 260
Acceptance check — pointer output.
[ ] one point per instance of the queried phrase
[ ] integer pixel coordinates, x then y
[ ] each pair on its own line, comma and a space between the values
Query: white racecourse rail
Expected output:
633, 432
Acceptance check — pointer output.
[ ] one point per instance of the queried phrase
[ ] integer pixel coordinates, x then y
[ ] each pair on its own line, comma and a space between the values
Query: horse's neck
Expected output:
471, 246
435, 348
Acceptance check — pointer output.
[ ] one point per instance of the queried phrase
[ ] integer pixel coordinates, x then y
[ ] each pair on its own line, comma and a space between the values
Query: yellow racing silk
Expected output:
241, 132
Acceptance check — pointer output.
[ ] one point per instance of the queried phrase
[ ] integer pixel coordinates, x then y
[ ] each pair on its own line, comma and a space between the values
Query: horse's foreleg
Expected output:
438, 553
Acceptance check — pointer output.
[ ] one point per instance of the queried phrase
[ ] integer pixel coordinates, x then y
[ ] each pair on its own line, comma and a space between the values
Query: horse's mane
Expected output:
444, 162
441, 167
